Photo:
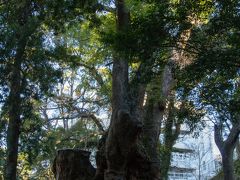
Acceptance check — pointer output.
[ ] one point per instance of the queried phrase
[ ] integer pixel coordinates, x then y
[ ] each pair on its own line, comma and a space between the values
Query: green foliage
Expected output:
56, 36
28, 33
210, 81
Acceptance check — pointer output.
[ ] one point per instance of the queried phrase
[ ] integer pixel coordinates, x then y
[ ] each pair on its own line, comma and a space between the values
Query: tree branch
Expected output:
233, 136
218, 137
107, 8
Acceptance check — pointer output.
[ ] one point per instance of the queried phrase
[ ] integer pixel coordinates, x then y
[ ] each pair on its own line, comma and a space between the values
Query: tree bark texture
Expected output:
14, 111
238, 149
122, 154
151, 130
14, 124
228, 166
122, 144
170, 137
73, 164
124, 128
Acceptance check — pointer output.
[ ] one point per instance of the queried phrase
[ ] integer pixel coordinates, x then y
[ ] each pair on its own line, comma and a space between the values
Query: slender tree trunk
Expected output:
152, 125
13, 131
14, 99
170, 136
199, 168
158, 92
238, 149
226, 148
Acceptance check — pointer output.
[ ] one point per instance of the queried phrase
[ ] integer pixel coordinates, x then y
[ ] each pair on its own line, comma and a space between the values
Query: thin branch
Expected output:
108, 9
93, 117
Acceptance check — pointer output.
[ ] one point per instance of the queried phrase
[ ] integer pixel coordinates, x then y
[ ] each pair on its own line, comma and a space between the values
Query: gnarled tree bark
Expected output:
73, 164
125, 127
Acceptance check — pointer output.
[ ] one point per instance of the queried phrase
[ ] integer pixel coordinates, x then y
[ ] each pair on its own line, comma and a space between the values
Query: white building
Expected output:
194, 158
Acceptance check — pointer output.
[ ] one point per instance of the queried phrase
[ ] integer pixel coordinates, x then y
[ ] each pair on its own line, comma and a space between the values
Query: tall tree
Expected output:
215, 90
25, 57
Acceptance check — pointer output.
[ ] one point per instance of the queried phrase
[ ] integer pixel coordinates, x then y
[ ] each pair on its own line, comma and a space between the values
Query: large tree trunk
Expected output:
118, 148
73, 164
124, 127
124, 154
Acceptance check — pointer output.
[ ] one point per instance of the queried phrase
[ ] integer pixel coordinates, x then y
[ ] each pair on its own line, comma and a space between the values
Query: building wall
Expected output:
196, 160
